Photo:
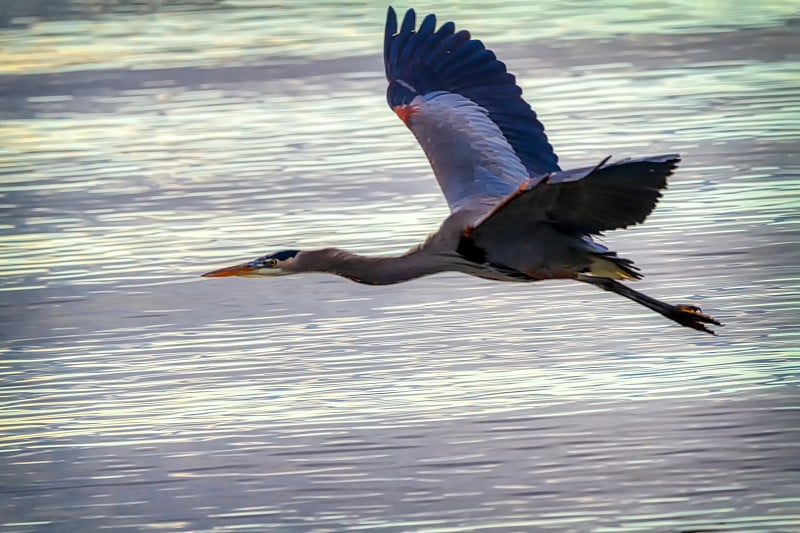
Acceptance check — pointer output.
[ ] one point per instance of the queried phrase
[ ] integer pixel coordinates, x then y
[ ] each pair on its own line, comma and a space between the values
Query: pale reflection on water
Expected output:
139, 396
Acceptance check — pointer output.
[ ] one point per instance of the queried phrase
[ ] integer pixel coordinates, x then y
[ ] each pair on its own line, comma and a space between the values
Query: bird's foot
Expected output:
692, 317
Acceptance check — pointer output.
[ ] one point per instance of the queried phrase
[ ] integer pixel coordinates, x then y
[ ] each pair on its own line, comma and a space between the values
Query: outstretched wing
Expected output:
583, 201
466, 111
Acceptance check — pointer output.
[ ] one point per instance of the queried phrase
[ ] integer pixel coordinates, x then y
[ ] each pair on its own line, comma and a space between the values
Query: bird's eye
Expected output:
273, 263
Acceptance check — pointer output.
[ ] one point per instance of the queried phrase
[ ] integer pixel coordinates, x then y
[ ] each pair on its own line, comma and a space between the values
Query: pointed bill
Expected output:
243, 269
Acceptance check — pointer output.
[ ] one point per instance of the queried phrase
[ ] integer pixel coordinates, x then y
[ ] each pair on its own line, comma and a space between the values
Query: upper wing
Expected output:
467, 113
584, 201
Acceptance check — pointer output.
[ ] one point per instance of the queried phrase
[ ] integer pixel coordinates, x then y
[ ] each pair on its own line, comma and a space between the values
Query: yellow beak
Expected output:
245, 269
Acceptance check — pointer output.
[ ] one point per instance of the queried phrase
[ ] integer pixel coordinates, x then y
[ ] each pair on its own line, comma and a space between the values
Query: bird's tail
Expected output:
610, 265
685, 315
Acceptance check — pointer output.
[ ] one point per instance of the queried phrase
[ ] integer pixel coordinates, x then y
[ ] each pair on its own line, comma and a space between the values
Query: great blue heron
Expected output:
514, 214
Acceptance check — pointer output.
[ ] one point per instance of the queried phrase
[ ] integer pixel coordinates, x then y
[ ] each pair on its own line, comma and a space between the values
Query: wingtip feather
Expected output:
409, 21
388, 34
428, 25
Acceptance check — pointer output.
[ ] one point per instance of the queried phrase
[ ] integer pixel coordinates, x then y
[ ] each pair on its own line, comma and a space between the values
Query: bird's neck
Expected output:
370, 270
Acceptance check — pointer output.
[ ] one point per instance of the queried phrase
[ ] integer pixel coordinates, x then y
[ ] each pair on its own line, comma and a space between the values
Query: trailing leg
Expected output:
685, 315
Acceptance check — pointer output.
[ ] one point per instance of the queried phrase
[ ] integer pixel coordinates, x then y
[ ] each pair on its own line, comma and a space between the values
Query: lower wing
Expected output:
584, 201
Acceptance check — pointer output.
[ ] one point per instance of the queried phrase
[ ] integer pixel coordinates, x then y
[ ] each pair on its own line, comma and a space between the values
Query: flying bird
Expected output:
515, 215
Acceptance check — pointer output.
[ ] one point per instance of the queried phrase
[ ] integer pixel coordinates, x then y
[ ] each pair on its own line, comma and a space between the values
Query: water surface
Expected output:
158, 145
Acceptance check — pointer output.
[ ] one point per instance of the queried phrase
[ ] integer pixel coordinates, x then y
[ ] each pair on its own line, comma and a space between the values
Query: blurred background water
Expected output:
143, 143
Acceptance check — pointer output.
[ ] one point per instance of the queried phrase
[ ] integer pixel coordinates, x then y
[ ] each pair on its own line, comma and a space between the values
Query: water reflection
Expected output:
137, 395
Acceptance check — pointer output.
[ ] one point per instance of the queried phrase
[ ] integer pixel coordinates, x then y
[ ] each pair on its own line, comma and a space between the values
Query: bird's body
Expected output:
515, 215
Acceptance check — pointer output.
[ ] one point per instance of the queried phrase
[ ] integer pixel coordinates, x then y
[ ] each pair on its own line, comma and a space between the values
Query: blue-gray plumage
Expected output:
514, 214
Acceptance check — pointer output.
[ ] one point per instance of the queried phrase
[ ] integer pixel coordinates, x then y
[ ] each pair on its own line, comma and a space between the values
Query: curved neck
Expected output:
370, 270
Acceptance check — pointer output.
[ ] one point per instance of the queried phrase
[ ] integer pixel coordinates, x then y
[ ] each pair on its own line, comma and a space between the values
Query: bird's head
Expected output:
278, 264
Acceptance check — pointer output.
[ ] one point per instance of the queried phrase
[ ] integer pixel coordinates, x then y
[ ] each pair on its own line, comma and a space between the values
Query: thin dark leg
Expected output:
685, 315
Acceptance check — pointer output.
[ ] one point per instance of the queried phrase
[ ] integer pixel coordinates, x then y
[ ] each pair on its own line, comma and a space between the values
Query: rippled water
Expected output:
139, 150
